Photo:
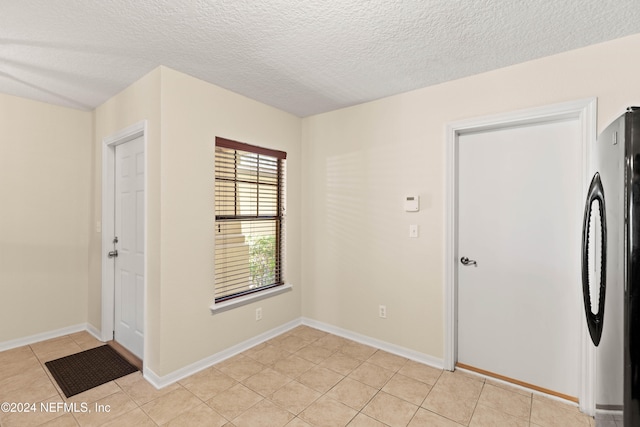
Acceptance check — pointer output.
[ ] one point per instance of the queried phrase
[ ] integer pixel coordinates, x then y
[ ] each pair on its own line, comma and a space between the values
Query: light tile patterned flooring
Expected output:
304, 377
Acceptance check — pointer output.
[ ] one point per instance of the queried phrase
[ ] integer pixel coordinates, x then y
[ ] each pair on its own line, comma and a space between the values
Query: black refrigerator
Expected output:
610, 266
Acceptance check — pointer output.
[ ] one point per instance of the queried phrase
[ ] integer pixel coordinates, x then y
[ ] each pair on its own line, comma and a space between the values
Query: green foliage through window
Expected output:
262, 260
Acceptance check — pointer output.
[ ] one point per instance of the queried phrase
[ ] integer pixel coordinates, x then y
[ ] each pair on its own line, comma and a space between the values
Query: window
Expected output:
249, 200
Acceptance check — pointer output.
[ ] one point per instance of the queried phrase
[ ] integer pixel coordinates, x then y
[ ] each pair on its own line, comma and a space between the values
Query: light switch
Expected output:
413, 230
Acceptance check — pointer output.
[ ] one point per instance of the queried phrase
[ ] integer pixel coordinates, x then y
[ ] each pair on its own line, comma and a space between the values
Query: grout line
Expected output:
530, 407
477, 401
331, 351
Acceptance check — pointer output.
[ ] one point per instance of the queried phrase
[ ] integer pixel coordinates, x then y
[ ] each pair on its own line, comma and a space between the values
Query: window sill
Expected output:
238, 302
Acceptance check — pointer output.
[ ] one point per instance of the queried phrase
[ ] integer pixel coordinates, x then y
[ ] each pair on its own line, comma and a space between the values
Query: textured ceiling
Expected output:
304, 57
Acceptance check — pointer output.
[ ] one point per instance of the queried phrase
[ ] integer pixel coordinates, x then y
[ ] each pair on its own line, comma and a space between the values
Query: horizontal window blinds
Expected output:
249, 205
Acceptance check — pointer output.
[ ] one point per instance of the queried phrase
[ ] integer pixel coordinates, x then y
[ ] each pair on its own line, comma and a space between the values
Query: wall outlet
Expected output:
258, 314
383, 311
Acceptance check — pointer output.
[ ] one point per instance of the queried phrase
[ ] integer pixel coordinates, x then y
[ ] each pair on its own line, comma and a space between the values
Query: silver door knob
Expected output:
466, 261
113, 254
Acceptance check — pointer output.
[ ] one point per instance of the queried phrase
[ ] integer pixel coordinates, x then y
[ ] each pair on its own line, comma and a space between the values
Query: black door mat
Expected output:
88, 369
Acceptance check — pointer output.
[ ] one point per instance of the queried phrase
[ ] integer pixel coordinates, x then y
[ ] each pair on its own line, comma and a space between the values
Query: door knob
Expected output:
466, 261
113, 254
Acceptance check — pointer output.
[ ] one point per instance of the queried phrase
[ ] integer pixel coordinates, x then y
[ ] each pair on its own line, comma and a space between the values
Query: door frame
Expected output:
109, 145
583, 110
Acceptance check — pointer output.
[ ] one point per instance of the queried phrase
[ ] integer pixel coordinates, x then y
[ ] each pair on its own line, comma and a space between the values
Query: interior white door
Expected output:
129, 230
519, 218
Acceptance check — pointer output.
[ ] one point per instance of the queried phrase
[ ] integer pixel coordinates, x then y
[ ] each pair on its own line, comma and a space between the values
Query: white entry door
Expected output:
520, 211
129, 231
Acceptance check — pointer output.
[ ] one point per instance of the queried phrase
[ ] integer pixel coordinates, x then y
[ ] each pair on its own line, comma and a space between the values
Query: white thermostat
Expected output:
412, 203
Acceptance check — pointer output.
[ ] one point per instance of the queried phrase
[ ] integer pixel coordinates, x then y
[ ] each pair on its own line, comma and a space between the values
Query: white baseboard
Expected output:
372, 342
608, 415
162, 381
31, 339
165, 380
94, 331
159, 381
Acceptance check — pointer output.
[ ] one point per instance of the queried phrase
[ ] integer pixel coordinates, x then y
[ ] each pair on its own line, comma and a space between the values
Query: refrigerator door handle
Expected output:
594, 320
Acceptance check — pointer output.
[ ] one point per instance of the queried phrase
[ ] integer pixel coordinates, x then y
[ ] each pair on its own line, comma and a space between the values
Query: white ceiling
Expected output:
304, 57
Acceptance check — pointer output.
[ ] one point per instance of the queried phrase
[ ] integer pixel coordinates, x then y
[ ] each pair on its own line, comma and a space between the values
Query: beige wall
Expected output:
359, 162
140, 101
193, 114
45, 160
184, 117
347, 233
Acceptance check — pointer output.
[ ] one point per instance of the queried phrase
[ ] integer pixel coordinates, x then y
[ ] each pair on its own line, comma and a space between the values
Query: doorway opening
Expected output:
584, 113
124, 231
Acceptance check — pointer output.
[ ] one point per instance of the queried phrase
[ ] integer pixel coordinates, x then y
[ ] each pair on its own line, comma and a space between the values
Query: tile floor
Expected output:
304, 377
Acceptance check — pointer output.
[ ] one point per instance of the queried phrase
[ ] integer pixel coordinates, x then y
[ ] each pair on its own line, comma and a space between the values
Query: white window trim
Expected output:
248, 299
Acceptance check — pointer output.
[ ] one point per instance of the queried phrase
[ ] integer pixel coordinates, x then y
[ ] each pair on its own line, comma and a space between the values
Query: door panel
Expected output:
520, 210
609, 162
129, 229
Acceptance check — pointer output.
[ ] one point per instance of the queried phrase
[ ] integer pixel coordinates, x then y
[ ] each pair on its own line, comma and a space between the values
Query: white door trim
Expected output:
109, 144
582, 110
